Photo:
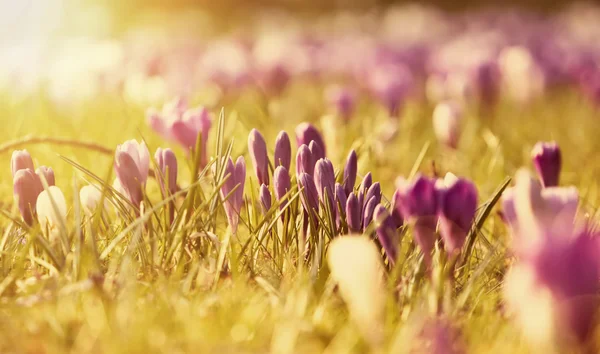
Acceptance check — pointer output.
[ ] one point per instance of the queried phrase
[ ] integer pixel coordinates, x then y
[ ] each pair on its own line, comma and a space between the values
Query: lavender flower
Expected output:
353, 214
305, 133
304, 161
281, 184
386, 232
20, 160
265, 198
132, 161
324, 178
258, 154
166, 175
283, 150
309, 195
350, 171
48, 174
232, 191
547, 160
457, 205
342, 99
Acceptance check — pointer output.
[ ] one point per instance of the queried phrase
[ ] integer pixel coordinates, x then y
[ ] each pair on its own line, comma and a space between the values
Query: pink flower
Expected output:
232, 191
132, 165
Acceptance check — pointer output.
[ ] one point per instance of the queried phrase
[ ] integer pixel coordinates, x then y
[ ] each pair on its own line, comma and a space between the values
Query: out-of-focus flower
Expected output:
447, 118
48, 174
132, 165
26, 188
305, 133
438, 336
391, 84
51, 208
342, 100
258, 154
350, 171
457, 205
547, 161
89, 197
355, 265
522, 78
236, 179
20, 160
166, 162
386, 232
265, 198
283, 150
281, 184
418, 202
177, 122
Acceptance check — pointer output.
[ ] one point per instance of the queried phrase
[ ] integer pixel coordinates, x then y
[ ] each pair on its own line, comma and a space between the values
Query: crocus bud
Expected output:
167, 168
350, 171
283, 150
547, 160
308, 195
258, 154
26, 188
386, 232
324, 179
132, 163
374, 192
396, 215
265, 198
342, 100
418, 202
304, 161
20, 160
366, 183
236, 178
457, 206
446, 123
353, 215
368, 212
89, 197
340, 198
281, 184
316, 151
48, 174
306, 132
51, 209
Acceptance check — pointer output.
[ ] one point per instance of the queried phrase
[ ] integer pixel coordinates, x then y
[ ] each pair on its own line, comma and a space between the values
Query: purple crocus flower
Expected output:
374, 191
233, 199
386, 232
166, 161
27, 187
258, 154
457, 205
353, 214
48, 174
265, 198
418, 201
305, 133
283, 150
396, 215
309, 195
304, 161
324, 178
547, 160
340, 199
368, 211
350, 171
132, 165
316, 151
20, 160
281, 184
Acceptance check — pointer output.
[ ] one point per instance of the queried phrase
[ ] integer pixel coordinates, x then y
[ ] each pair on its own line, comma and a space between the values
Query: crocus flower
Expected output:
48, 174
350, 171
342, 99
283, 150
391, 85
166, 162
26, 188
20, 160
324, 178
281, 184
368, 211
265, 198
374, 191
316, 151
309, 195
397, 217
305, 133
89, 197
418, 202
305, 162
386, 232
457, 205
178, 123
132, 163
447, 117
340, 199
236, 178
547, 161
353, 214
51, 208
258, 154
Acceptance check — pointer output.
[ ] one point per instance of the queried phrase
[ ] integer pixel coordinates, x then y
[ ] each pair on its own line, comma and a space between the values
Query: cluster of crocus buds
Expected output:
427, 202
132, 166
27, 183
177, 122
547, 160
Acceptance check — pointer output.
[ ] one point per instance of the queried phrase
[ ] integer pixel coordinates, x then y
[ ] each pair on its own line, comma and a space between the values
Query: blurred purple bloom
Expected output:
305, 133
386, 232
283, 150
547, 160
258, 154
342, 99
457, 205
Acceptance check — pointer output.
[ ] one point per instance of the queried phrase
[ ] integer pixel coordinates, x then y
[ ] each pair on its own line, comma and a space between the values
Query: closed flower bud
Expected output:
446, 123
233, 190
547, 160
350, 171
281, 184
167, 166
265, 198
353, 214
366, 183
283, 150
374, 192
386, 232
258, 154
340, 198
132, 163
316, 151
26, 188
304, 161
457, 206
308, 195
306, 132
324, 178
48, 174
368, 212
20, 160
396, 215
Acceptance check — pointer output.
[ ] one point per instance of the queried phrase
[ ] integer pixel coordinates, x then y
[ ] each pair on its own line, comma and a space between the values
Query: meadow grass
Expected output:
104, 296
